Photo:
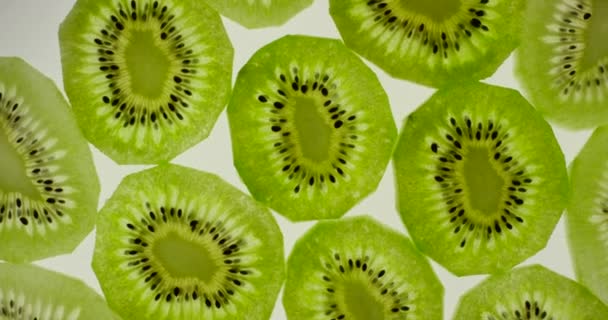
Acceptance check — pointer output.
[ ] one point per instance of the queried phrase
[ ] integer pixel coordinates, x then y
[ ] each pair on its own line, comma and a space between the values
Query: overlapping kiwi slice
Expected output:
48, 185
433, 43
356, 268
177, 243
563, 60
259, 13
312, 130
481, 179
30, 292
587, 217
531, 292
147, 78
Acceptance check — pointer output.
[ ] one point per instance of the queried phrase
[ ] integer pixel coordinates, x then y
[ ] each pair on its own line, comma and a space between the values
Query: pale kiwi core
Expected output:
596, 48
183, 258
437, 10
482, 180
360, 302
313, 131
147, 64
14, 178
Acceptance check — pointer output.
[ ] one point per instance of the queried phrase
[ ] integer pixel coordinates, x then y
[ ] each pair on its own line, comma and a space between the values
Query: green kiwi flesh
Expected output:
31, 292
433, 43
562, 63
481, 179
259, 13
587, 215
356, 268
311, 127
147, 78
176, 243
48, 185
531, 292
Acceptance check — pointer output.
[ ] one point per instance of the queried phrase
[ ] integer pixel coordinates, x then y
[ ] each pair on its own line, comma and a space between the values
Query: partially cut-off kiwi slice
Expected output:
29, 292
356, 268
563, 60
177, 243
259, 13
531, 292
312, 130
433, 43
481, 178
48, 185
147, 78
587, 216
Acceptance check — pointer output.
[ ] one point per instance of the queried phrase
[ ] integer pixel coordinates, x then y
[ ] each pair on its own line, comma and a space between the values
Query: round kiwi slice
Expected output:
259, 13
562, 63
481, 178
30, 292
531, 292
312, 130
356, 268
587, 215
147, 78
48, 185
177, 243
433, 43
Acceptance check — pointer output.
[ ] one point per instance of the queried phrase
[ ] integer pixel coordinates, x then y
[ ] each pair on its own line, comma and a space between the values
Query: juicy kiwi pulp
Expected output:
310, 138
432, 43
147, 78
357, 268
189, 246
475, 188
259, 13
48, 185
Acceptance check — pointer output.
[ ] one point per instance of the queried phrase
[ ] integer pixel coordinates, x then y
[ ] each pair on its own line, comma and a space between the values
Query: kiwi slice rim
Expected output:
313, 127
481, 139
161, 222
562, 62
259, 13
430, 43
49, 187
543, 292
358, 268
147, 79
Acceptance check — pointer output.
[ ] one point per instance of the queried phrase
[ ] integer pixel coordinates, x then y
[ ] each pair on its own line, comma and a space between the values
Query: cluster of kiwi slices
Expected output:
481, 180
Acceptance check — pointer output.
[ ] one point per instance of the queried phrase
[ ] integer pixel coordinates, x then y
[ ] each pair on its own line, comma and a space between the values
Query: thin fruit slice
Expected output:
531, 292
147, 78
356, 268
312, 130
433, 43
563, 60
48, 185
481, 179
31, 292
259, 13
587, 216
177, 243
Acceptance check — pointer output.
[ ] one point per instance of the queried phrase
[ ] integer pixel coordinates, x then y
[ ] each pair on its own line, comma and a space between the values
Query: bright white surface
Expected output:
29, 30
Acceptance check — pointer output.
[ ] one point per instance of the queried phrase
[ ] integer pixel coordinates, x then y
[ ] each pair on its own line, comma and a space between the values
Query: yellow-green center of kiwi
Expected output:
437, 10
483, 182
360, 302
183, 258
14, 174
147, 64
596, 46
313, 130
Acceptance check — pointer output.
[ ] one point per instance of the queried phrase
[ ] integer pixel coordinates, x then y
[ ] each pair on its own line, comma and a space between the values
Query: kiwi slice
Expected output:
48, 185
177, 243
433, 43
562, 63
147, 78
31, 292
311, 136
531, 292
481, 179
587, 215
357, 268
259, 13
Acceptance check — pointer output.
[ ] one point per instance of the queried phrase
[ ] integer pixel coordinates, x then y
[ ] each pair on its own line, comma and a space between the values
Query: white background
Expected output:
28, 29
